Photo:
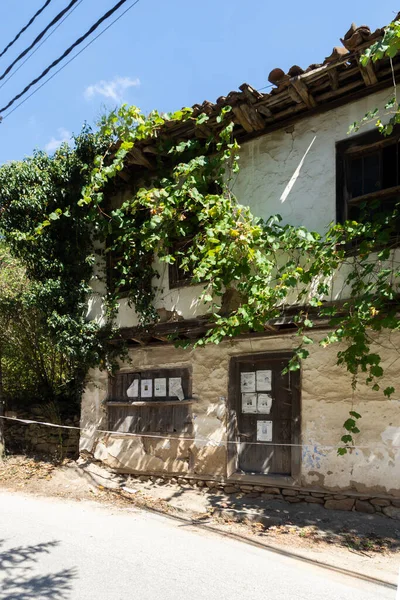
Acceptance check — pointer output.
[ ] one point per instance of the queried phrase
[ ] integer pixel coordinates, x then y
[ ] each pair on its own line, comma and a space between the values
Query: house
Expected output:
226, 412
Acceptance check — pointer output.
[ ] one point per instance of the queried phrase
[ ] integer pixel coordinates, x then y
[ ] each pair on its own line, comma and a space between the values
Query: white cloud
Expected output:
113, 89
54, 143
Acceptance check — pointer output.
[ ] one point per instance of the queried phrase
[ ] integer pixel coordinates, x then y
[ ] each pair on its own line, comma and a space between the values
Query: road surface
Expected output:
54, 549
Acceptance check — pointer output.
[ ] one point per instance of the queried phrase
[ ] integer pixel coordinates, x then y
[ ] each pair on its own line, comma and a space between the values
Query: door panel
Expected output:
254, 422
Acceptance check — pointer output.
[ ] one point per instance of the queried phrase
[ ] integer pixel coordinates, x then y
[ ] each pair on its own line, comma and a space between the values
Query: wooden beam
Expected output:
302, 90
368, 73
137, 157
333, 78
248, 117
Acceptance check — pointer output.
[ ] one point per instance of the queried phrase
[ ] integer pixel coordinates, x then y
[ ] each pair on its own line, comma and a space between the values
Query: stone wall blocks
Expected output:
339, 504
288, 492
231, 489
268, 491
381, 502
364, 506
392, 511
313, 500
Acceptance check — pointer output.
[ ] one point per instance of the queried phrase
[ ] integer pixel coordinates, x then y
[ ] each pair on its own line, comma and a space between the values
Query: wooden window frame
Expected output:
177, 277
232, 432
360, 146
156, 415
117, 388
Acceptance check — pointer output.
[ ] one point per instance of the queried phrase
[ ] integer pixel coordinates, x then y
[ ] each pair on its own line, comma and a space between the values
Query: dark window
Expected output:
157, 401
368, 177
179, 277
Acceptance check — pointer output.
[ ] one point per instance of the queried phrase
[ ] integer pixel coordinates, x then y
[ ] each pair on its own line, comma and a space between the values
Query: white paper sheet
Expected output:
264, 431
133, 389
247, 382
146, 388
160, 386
249, 403
175, 388
263, 379
264, 403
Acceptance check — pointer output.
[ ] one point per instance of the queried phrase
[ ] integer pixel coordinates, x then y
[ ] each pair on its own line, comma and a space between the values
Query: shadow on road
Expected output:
18, 582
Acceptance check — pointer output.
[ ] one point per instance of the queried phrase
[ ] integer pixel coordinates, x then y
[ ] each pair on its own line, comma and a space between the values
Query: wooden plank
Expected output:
368, 73
302, 90
334, 79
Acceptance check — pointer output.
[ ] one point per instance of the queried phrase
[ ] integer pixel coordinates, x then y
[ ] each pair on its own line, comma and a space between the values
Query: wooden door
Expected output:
266, 406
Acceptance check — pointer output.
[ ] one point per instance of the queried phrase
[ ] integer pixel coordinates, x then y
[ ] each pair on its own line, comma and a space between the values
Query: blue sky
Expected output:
162, 54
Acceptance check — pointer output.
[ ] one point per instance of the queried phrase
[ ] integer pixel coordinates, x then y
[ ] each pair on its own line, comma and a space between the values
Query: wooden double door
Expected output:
264, 415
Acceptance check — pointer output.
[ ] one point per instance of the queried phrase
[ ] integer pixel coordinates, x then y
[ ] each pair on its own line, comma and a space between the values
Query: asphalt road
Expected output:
57, 550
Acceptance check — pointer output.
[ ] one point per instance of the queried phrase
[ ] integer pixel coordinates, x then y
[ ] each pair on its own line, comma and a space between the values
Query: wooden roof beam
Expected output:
368, 73
301, 88
248, 117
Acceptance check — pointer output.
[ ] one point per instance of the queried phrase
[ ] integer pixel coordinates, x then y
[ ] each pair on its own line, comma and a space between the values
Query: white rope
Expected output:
205, 441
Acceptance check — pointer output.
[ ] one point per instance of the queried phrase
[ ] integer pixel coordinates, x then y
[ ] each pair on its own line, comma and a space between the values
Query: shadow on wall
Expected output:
19, 583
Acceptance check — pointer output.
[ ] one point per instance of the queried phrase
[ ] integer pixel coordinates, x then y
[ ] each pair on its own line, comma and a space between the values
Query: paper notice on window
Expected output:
175, 388
263, 381
247, 382
160, 386
133, 389
249, 403
264, 403
146, 388
264, 431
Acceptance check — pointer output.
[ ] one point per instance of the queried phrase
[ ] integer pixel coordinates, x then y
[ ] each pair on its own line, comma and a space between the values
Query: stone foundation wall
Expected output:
39, 439
389, 507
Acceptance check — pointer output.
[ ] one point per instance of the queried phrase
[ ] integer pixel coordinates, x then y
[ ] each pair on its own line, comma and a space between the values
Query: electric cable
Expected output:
62, 67
37, 13
38, 38
41, 44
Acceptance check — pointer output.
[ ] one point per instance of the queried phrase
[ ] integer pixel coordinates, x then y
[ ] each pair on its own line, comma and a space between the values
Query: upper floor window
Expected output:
179, 277
368, 177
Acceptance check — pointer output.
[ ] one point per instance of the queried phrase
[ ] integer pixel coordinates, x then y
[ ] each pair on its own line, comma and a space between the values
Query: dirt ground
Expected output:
367, 545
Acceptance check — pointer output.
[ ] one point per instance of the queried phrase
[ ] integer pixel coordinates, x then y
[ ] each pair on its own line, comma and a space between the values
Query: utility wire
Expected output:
41, 44
25, 28
65, 54
38, 38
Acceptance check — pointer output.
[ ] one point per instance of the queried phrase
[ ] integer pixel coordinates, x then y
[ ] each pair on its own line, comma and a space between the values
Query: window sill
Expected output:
153, 403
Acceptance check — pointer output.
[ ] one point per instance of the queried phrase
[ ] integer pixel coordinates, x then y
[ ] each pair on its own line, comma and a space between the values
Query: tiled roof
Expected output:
299, 92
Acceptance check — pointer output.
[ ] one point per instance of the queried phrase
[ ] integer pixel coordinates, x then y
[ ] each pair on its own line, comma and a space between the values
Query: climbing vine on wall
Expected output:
56, 210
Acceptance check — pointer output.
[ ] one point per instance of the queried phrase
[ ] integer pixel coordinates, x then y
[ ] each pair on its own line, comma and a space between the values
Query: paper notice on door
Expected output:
160, 386
264, 431
249, 403
146, 388
247, 382
263, 379
175, 388
264, 403
133, 389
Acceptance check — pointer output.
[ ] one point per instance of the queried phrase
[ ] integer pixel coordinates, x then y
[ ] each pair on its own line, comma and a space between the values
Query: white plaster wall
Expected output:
292, 171
327, 398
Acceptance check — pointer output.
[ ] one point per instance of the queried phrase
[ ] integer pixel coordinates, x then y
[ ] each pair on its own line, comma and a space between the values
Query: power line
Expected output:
41, 44
111, 11
38, 38
25, 28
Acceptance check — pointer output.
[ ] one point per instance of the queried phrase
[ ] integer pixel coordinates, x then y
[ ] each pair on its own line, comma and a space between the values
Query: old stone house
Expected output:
226, 413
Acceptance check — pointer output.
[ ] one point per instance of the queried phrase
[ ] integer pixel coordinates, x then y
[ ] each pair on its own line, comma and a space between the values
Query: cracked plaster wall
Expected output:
290, 172
327, 397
